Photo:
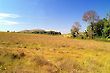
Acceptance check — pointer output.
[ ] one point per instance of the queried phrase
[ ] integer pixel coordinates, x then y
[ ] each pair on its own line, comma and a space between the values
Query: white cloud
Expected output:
5, 22
8, 15
5, 16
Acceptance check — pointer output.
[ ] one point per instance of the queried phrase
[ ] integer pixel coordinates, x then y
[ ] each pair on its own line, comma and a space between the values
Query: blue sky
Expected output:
16, 15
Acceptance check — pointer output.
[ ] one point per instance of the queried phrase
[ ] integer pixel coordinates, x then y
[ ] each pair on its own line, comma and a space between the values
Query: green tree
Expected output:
106, 31
98, 28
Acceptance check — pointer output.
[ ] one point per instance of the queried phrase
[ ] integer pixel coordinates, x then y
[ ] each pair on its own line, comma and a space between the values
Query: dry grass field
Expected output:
35, 53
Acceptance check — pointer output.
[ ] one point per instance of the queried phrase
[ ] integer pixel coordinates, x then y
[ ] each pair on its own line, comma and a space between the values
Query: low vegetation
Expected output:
39, 53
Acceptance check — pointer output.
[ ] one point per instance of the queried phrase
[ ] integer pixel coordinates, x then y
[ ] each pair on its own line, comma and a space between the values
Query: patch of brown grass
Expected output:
52, 54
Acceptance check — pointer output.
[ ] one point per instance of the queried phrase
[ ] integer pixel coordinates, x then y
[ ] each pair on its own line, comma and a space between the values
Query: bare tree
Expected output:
75, 29
91, 18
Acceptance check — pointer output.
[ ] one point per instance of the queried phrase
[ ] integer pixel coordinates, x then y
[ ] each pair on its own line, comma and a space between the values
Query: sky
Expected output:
59, 15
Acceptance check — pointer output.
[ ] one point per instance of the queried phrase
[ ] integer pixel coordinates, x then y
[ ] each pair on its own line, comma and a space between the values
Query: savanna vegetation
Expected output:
97, 28
39, 53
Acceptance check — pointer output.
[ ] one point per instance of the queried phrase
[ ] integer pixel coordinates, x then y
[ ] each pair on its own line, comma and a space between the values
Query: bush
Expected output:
8, 31
69, 66
39, 60
45, 65
18, 56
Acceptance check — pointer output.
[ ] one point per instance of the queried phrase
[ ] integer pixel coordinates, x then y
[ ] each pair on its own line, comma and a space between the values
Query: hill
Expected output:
40, 31
39, 53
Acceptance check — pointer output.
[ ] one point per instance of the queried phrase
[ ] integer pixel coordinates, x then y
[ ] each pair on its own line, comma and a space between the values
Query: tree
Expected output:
98, 28
75, 29
106, 30
91, 18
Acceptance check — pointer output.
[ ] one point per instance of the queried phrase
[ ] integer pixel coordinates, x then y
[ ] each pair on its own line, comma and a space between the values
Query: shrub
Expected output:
46, 65
18, 56
15, 56
69, 66
39, 60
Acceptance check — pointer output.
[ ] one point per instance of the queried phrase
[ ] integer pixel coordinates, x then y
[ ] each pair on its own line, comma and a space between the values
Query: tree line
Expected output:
47, 32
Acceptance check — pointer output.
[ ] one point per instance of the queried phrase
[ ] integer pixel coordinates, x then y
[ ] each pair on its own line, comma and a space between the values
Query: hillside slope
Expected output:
35, 53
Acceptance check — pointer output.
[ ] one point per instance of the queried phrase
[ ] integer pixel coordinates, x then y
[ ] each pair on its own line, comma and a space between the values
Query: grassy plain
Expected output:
35, 53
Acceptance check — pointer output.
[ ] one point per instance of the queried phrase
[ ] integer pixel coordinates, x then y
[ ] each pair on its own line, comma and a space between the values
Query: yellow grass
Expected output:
32, 53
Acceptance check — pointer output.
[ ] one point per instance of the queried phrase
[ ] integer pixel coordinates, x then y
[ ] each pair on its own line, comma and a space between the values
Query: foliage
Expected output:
91, 17
97, 28
41, 32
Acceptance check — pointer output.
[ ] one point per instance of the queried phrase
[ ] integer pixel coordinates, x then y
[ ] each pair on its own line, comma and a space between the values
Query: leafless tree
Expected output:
75, 29
91, 17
